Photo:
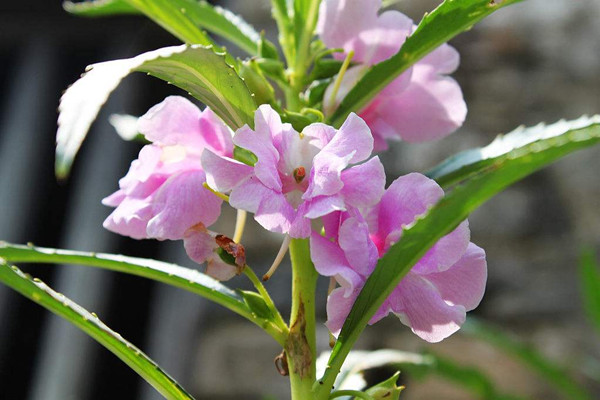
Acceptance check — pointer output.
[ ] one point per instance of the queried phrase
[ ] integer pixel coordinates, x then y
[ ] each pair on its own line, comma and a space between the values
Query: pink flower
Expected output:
162, 196
421, 104
298, 176
435, 295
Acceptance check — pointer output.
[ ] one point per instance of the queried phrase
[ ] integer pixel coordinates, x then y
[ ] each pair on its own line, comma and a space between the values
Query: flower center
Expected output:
299, 174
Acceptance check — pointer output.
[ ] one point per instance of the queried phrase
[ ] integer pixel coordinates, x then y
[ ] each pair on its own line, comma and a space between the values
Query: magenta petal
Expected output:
322, 205
329, 260
274, 213
181, 203
353, 140
220, 270
358, 248
130, 218
464, 283
431, 107
199, 244
406, 198
383, 39
364, 184
215, 133
419, 305
173, 121
223, 174
248, 194
114, 199
265, 168
339, 304
334, 26
446, 252
325, 175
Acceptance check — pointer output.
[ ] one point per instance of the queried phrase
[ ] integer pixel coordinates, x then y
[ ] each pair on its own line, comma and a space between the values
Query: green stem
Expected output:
268, 300
300, 347
307, 30
284, 25
354, 393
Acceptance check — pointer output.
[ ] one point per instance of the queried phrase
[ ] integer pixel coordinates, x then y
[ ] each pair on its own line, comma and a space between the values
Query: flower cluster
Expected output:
423, 103
320, 174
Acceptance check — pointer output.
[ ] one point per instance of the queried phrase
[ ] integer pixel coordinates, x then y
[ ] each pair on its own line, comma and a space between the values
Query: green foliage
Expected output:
195, 69
552, 373
171, 274
589, 277
39, 292
442, 24
442, 218
386, 390
185, 19
471, 162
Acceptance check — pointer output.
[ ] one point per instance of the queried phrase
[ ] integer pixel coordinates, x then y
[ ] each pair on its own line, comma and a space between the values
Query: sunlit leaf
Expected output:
42, 294
185, 19
468, 163
196, 69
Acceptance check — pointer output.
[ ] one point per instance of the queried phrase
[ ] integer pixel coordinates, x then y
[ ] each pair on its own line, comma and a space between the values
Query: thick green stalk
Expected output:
300, 347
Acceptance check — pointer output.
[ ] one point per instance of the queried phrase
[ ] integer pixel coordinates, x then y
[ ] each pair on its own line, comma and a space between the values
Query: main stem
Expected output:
300, 348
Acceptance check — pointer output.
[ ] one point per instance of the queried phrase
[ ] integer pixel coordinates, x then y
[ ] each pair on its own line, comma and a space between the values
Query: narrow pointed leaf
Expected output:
468, 163
195, 69
185, 19
442, 218
589, 278
171, 274
42, 294
99, 8
448, 20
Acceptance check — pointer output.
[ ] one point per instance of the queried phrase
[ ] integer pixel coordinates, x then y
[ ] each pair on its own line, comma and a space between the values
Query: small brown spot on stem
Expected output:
281, 364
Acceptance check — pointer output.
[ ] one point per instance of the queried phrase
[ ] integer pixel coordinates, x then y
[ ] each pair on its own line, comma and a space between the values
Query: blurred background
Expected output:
531, 62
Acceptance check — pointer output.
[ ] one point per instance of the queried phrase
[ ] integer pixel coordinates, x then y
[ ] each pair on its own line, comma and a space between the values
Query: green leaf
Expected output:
257, 304
442, 218
386, 390
589, 278
171, 274
185, 19
552, 373
470, 162
195, 69
39, 292
99, 8
448, 20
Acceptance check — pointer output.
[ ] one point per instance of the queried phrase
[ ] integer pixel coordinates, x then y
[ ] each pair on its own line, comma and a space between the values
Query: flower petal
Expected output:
199, 244
248, 194
339, 304
181, 203
364, 184
173, 121
223, 173
274, 213
329, 260
358, 248
464, 282
420, 306
431, 107
130, 218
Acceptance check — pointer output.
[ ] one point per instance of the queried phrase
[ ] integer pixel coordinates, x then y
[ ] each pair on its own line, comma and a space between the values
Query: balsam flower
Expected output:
421, 104
435, 295
162, 196
298, 176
